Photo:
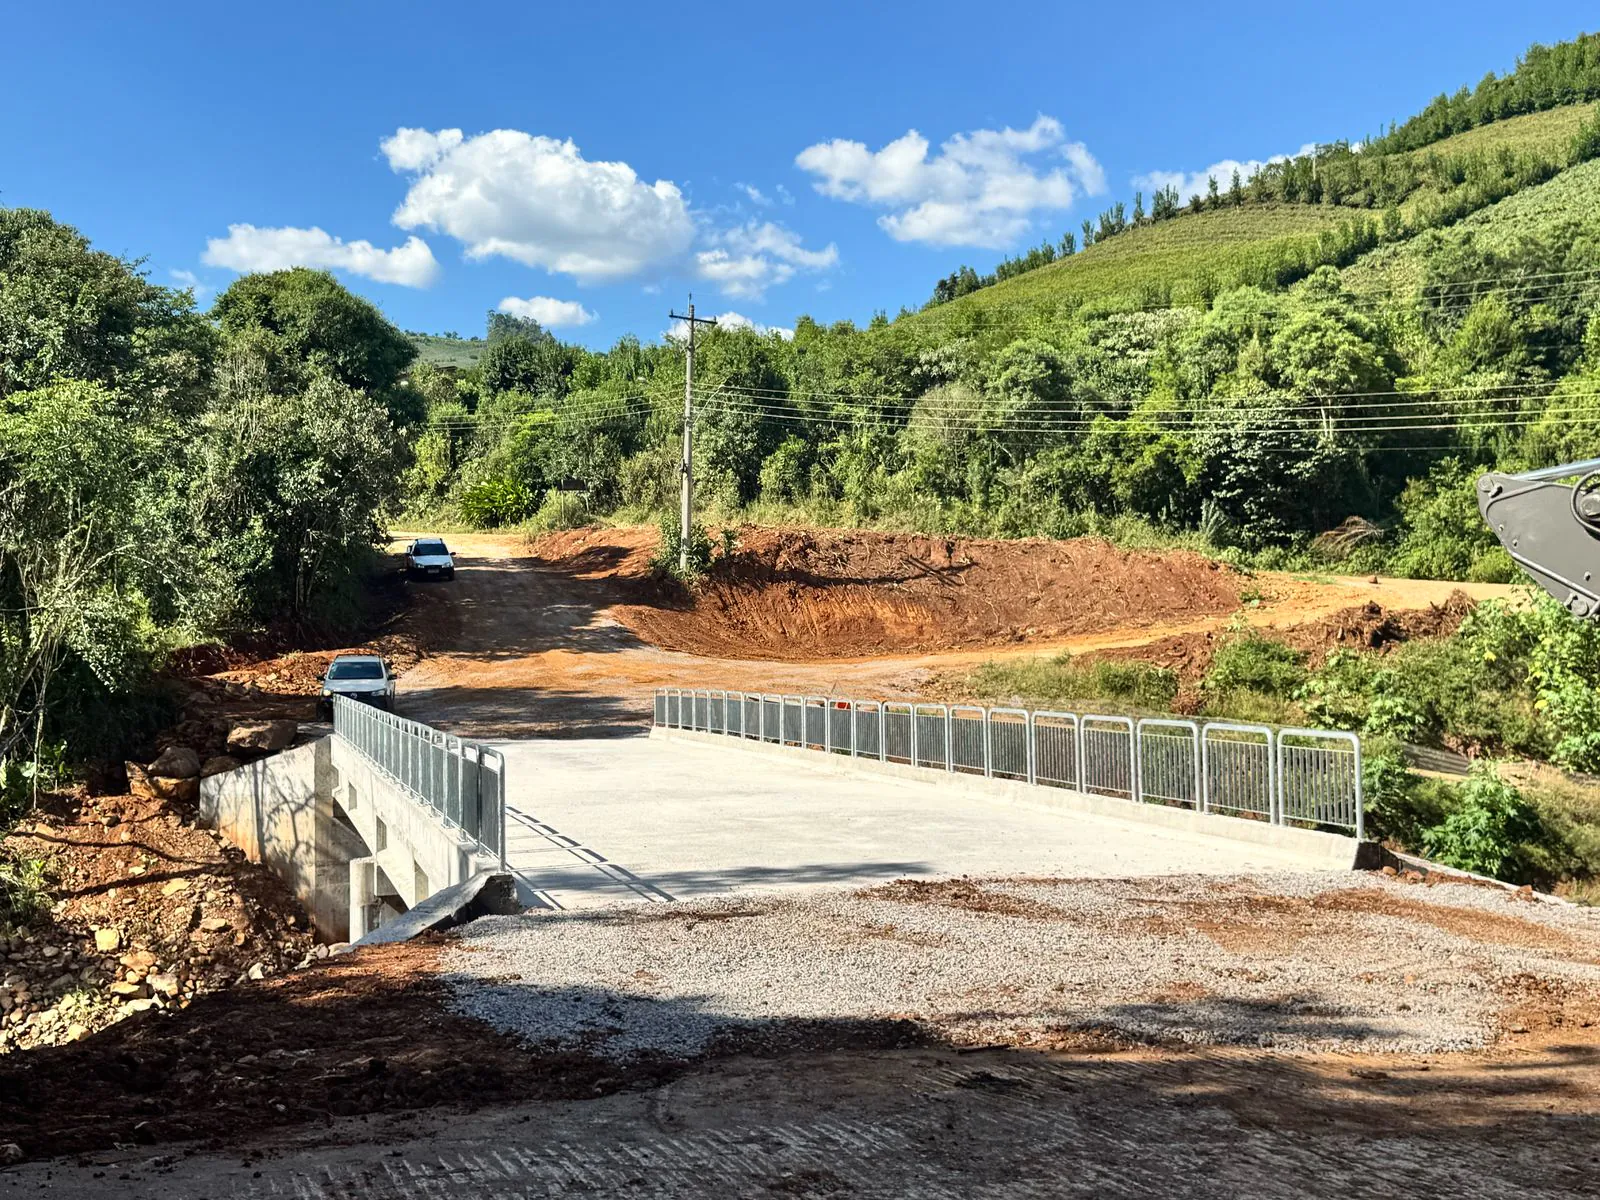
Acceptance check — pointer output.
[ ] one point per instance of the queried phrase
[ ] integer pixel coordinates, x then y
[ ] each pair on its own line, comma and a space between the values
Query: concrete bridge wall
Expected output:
353, 847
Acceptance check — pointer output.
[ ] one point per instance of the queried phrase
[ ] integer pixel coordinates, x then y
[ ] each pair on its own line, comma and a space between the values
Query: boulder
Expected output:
176, 762
180, 791
164, 985
261, 737
107, 940
217, 765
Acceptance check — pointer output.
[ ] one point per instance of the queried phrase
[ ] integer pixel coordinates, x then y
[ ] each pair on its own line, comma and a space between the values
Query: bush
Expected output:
562, 510
493, 503
1257, 664
1488, 828
668, 558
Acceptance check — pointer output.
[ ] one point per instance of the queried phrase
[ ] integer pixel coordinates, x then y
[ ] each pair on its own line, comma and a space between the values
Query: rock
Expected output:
173, 886
177, 791
219, 764
107, 940
176, 762
139, 782
215, 925
258, 972
165, 986
128, 991
261, 737
139, 1006
10, 1153
75, 1033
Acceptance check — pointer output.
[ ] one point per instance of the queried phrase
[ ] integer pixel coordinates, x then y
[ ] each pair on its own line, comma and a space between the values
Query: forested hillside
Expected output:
1352, 333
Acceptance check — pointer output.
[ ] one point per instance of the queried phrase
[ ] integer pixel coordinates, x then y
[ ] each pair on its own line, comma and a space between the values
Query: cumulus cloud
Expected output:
1197, 183
748, 259
249, 248
539, 202
733, 320
981, 189
551, 313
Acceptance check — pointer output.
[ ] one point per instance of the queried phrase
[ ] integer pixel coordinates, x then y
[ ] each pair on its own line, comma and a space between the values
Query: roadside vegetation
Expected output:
168, 477
1515, 683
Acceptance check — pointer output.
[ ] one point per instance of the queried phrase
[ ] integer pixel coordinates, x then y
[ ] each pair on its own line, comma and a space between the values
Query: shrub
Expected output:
1257, 664
668, 558
494, 502
1486, 831
562, 510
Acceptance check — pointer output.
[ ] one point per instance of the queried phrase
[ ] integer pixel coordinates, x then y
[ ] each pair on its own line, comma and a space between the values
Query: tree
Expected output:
303, 321
69, 312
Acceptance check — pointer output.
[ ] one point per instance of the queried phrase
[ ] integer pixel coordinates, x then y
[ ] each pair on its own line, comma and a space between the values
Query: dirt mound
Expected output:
148, 912
801, 594
1367, 626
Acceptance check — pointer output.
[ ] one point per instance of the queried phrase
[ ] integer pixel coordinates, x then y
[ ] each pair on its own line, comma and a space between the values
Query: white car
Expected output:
363, 677
430, 558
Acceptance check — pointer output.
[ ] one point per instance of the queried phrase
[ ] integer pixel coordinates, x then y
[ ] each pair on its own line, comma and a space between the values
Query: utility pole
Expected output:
686, 468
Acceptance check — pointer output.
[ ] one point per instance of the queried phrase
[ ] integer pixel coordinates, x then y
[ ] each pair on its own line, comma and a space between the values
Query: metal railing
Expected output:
1308, 777
462, 781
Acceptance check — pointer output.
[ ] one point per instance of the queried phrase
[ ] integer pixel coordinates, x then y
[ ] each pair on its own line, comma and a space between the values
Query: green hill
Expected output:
1151, 264
461, 354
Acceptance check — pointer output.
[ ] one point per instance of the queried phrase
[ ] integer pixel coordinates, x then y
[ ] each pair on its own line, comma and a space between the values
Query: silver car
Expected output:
364, 677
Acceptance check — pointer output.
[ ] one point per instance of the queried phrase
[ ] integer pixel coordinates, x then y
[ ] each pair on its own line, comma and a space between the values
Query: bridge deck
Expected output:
599, 821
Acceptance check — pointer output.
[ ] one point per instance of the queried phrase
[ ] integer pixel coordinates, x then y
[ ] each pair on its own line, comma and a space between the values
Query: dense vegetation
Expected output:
1248, 425
1517, 681
165, 477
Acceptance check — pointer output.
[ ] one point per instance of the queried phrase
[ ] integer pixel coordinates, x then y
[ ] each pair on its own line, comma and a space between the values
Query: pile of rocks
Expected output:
176, 773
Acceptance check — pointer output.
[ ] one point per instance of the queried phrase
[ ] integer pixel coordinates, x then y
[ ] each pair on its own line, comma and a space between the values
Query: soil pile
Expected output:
794, 595
144, 912
1369, 627
262, 1056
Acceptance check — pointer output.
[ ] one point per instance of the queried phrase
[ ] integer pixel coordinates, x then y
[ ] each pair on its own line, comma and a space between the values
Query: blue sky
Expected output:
763, 158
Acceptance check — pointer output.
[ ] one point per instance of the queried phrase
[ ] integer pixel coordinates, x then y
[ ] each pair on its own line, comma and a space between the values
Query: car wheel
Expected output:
450, 574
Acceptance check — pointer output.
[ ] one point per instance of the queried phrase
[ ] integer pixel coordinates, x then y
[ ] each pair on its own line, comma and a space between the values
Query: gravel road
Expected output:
1331, 961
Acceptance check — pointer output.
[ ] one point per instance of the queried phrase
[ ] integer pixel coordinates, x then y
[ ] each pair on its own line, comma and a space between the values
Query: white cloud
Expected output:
733, 320
550, 313
188, 279
757, 196
980, 189
784, 194
248, 248
1198, 183
538, 201
748, 259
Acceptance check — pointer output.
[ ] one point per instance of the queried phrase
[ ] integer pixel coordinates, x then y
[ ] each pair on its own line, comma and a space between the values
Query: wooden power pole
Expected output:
686, 468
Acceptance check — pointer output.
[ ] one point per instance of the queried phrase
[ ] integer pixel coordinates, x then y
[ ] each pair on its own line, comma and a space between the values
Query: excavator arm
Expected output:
1549, 522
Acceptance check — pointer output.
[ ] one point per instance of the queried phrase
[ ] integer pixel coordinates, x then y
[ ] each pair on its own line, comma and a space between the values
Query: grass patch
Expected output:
1062, 679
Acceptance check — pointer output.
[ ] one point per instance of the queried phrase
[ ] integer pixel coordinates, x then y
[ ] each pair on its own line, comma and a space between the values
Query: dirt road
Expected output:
545, 640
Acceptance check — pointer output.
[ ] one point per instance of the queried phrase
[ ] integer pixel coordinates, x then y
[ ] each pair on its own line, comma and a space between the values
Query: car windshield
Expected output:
423, 548
355, 670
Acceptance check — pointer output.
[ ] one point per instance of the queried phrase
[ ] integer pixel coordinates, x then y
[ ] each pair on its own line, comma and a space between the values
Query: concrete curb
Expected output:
488, 893
1340, 852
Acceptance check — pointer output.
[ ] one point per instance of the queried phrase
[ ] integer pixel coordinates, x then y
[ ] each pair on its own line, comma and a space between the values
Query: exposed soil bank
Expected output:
794, 595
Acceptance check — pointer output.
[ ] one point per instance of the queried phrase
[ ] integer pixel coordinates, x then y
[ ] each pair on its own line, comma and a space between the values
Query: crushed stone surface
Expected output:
1306, 961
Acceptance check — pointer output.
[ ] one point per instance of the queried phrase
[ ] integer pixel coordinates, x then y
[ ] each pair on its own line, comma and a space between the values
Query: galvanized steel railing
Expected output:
460, 780
1303, 776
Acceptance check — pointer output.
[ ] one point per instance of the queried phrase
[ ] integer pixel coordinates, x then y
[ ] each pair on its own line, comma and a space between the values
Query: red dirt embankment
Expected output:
793, 594
1367, 626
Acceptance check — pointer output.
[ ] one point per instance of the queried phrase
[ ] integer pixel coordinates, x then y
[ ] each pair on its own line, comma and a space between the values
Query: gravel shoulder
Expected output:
1301, 962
